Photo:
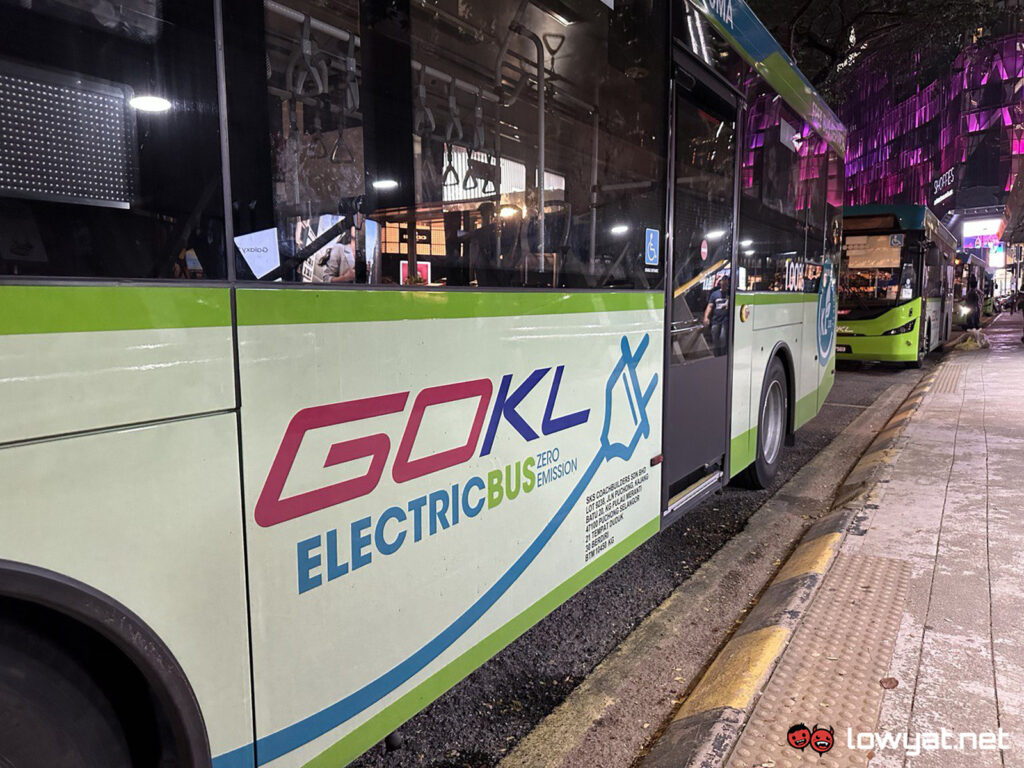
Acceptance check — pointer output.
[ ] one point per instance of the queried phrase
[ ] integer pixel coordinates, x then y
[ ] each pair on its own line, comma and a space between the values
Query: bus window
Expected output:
784, 182
110, 160
414, 149
703, 236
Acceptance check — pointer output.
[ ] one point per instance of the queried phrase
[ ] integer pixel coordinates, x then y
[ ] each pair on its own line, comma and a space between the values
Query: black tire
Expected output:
770, 437
53, 714
923, 344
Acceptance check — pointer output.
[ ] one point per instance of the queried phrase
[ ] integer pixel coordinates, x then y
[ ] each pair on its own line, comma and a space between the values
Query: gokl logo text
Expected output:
271, 509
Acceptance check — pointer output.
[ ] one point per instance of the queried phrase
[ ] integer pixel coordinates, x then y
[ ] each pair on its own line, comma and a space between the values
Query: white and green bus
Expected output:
340, 342
896, 283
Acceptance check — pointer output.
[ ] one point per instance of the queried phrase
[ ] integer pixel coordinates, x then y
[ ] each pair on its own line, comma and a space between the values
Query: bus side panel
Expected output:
378, 583
151, 516
76, 358
808, 375
776, 323
932, 317
743, 431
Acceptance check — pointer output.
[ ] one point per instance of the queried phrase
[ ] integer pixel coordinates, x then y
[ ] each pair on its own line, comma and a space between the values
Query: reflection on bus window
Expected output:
109, 144
703, 234
785, 179
477, 143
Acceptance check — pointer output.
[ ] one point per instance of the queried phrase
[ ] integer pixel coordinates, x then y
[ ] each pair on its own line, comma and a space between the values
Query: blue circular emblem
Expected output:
826, 314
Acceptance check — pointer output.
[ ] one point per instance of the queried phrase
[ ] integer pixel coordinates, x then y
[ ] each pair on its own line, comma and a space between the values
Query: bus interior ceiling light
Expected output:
559, 11
385, 184
715, 234
746, 243
619, 229
148, 103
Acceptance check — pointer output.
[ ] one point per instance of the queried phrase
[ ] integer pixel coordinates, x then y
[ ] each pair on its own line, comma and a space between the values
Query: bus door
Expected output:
699, 292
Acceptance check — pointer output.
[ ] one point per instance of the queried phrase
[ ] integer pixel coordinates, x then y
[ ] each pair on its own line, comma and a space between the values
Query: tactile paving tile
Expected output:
947, 380
829, 674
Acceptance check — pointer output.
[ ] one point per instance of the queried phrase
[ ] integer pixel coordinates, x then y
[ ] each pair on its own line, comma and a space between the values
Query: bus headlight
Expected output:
906, 328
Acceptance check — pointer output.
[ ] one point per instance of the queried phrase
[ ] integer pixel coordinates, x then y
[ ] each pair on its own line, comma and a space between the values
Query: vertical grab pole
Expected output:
519, 29
593, 196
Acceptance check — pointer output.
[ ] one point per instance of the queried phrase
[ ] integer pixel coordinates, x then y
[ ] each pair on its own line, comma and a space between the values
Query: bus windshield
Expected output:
873, 273
874, 286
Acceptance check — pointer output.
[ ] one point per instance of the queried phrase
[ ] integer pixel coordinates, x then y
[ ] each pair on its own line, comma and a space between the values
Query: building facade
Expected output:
955, 145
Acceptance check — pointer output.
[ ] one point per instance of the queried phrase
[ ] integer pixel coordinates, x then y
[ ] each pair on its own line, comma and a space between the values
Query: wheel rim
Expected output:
772, 417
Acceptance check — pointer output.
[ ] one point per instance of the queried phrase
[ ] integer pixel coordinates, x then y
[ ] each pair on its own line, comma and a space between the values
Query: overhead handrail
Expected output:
336, 32
314, 64
423, 121
450, 177
454, 127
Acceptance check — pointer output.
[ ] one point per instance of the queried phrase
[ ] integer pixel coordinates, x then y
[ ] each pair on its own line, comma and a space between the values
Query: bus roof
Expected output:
907, 217
752, 40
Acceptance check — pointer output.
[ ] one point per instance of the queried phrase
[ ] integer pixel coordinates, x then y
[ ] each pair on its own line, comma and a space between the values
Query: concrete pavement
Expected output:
912, 651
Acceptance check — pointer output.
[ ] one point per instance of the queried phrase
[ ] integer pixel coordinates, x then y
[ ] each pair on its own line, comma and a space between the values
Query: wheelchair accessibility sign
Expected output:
652, 248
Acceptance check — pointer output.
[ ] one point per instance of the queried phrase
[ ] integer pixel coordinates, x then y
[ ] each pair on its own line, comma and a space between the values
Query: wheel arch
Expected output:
136, 641
785, 356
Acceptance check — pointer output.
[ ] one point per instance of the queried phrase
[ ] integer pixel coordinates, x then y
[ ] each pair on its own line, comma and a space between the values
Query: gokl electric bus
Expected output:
895, 284
342, 341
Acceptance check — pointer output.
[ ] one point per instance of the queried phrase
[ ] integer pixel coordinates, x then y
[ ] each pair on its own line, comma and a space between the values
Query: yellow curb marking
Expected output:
902, 416
737, 673
810, 557
870, 459
887, 433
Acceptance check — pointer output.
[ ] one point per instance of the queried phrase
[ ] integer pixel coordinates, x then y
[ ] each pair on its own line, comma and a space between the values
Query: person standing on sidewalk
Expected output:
973, 308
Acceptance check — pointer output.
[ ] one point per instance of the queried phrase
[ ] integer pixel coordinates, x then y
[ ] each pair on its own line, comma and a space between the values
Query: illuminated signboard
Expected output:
942, 187
981, 233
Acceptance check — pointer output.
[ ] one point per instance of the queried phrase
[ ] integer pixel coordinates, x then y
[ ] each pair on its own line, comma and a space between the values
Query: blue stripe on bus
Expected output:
243, 757
293, 736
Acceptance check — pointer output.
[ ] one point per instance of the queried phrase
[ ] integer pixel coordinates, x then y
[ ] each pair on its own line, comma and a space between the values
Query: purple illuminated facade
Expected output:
955, 144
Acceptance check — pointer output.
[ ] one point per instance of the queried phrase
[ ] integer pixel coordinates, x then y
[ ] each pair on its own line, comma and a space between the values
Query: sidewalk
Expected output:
918, 627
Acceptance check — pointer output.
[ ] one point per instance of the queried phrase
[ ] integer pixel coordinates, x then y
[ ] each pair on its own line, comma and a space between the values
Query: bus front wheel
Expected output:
52, 711
773, 417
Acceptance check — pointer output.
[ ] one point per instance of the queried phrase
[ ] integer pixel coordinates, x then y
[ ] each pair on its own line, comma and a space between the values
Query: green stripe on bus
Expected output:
385, 721
75, 308
288, 307
775, 298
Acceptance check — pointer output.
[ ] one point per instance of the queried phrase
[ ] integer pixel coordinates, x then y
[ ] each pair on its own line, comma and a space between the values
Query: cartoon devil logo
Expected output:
819, 739
799, 736
822, 739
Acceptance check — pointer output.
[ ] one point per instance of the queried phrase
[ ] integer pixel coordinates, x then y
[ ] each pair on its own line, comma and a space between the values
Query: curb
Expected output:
704, 731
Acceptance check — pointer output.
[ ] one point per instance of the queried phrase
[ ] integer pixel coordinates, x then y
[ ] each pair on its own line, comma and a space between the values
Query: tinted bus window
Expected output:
784, 182
109, 144
405, 147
